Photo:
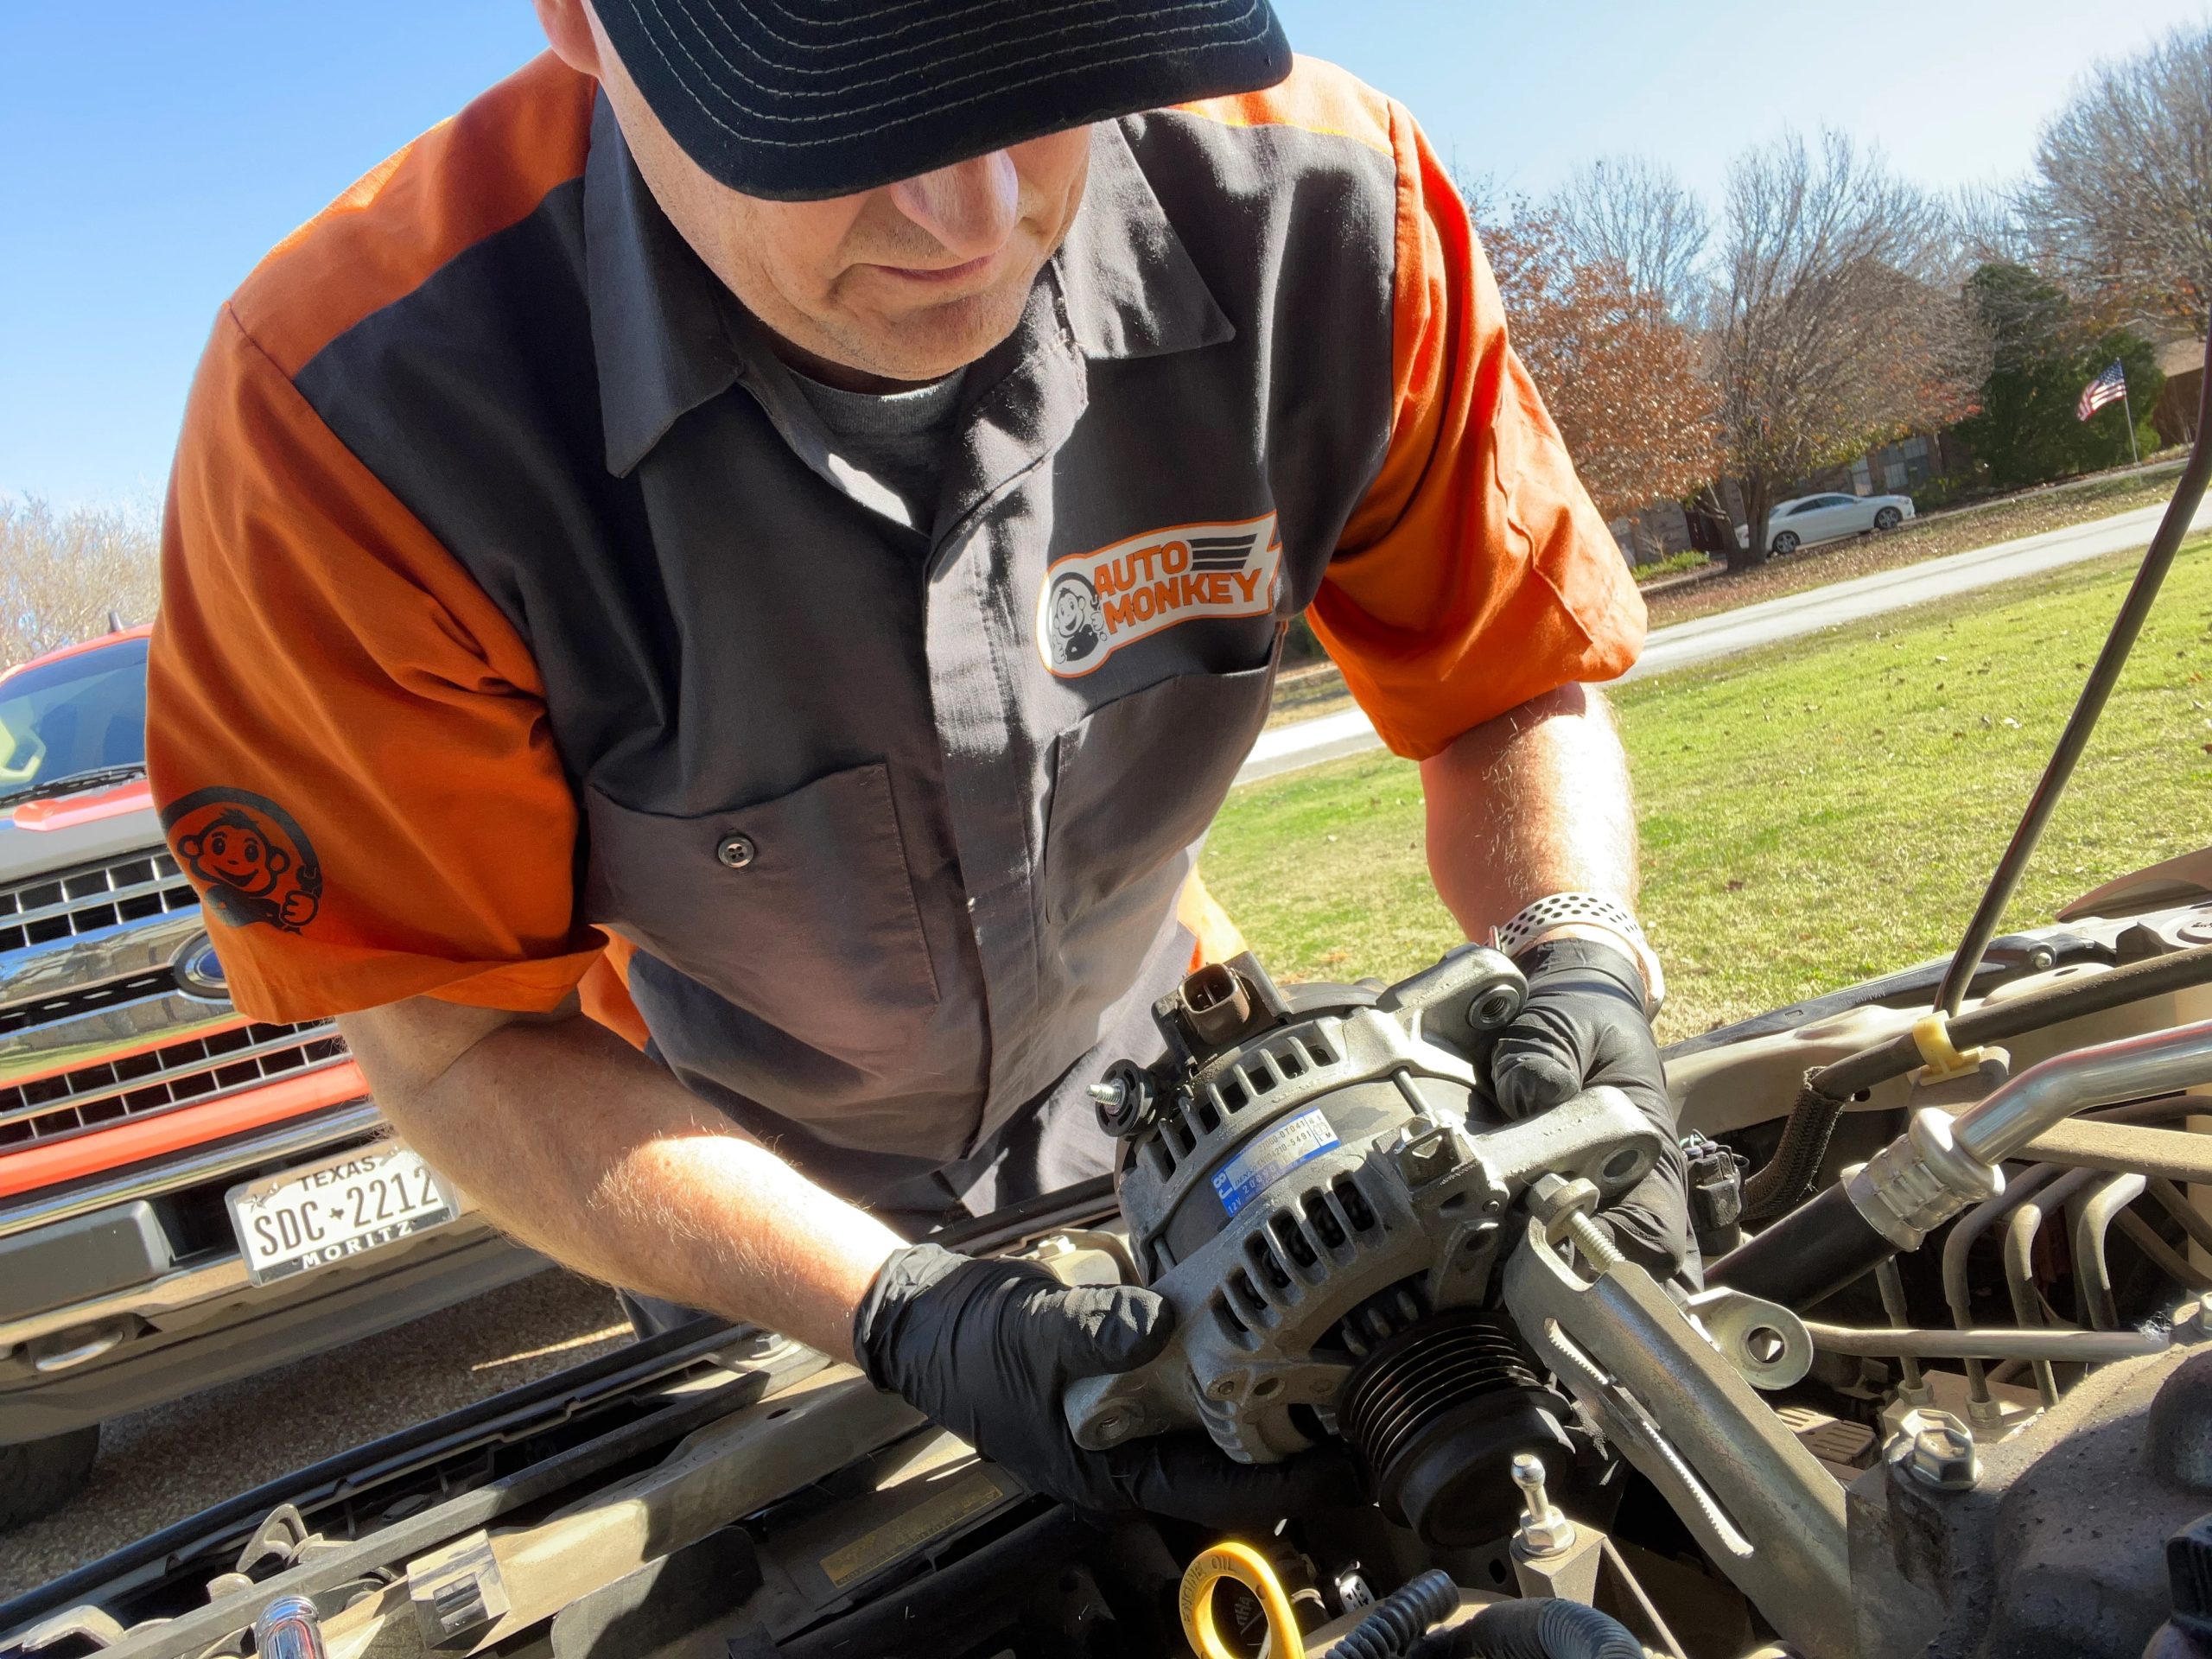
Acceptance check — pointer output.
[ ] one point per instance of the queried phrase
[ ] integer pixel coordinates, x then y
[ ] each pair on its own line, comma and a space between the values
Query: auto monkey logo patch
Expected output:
1090, 605
248, 855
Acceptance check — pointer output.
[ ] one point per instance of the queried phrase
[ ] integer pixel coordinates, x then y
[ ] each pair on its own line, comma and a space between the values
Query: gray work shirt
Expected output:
892, 791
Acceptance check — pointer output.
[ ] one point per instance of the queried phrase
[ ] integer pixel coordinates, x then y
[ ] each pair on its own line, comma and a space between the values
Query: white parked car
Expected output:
1810, 518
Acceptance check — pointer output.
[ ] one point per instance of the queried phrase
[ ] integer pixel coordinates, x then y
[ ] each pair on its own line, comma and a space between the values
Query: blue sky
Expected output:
150, 150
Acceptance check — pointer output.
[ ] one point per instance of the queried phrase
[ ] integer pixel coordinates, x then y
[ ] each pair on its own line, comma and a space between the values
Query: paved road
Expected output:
1306, 743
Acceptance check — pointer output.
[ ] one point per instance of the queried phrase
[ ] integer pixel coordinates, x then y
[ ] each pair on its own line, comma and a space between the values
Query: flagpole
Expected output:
2128, 410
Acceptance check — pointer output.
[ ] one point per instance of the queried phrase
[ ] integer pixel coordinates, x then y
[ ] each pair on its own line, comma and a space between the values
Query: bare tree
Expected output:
1635, 215
1991, 227
62, 576
2123, 193
1840, 322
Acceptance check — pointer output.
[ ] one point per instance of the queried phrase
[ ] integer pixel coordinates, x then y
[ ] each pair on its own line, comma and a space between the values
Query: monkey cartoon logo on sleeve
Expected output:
248, 855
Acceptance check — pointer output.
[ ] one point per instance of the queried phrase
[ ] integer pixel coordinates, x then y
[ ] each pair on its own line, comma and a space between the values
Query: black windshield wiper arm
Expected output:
72, 783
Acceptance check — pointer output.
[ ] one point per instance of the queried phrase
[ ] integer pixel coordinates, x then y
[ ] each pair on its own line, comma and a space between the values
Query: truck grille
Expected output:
177, 1074
62, 907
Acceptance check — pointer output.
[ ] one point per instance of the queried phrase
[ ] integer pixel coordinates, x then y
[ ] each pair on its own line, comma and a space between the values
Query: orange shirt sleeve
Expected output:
347, 740
1475, 573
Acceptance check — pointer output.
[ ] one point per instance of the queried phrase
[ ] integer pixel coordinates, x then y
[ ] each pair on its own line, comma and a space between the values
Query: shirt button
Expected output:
736, 851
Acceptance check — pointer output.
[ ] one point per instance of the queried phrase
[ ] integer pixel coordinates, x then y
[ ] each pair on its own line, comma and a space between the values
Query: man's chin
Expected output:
939, 339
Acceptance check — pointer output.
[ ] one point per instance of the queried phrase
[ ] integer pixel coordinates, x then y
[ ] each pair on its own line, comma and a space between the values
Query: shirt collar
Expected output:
1129, 285
661, 321
668, 336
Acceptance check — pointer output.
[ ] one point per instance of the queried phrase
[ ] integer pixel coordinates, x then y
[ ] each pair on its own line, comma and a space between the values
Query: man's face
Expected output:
902, 283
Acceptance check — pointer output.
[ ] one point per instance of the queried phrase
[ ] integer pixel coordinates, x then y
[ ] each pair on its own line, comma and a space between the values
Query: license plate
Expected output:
344, 1206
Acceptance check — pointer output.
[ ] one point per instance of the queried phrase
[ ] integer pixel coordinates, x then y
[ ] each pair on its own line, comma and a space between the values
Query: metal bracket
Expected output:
1764, 1340
1766, 1511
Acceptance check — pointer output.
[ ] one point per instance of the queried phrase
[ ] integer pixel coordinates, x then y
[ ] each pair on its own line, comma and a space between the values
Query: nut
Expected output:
1427, 1150
1556, 1201
1544, 1530
1936, 1449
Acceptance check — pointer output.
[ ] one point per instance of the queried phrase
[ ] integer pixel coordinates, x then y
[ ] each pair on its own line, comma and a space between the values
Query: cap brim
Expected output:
810, 99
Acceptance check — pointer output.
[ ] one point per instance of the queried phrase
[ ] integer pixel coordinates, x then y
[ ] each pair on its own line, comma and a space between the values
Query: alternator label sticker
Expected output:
1271, 1157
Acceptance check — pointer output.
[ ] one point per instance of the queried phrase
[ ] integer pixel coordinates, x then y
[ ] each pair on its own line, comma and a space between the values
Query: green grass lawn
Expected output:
1812, 814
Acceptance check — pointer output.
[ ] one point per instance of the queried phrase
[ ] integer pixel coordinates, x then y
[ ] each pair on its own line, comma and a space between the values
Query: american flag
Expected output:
2107, 388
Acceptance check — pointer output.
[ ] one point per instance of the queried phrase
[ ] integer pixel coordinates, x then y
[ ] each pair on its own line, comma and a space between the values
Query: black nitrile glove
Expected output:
987, 1349
1583, 1024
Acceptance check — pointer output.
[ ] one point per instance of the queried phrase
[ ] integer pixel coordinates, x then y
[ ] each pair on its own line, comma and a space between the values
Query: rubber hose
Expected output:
1813, 1251
2069, 1000
1397, 1621
1786, 1178
1543, 1629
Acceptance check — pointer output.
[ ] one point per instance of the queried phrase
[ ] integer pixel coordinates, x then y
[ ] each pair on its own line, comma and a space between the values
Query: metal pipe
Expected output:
1943, 1163
2020, 1271
2084, 1347
2173, 528
2163, 1255
2092, 1214
1998, 1125
1957, 1292
2175, 1202
1890, 1282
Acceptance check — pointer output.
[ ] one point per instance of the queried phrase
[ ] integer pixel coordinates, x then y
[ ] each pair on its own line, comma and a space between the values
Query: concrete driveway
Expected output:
1306, 743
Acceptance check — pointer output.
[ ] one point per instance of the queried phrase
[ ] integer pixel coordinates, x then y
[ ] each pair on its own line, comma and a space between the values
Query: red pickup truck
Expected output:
186, 1195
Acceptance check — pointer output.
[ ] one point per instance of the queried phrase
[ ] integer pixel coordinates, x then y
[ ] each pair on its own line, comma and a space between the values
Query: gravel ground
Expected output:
161, 1466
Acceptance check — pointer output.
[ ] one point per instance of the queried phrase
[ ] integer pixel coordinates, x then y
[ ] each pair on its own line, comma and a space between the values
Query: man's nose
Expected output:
970, 207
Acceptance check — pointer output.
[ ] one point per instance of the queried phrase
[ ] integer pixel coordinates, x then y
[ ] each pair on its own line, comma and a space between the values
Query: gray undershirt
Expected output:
893, 440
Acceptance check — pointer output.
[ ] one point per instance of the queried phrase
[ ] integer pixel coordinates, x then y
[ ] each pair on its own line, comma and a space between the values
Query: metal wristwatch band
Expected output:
1586, 910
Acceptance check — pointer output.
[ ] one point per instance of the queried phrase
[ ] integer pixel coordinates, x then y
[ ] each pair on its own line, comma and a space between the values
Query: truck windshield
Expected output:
84, 716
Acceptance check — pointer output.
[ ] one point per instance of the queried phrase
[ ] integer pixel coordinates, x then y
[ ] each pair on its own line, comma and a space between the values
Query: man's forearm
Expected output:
580, 1147
1535, 802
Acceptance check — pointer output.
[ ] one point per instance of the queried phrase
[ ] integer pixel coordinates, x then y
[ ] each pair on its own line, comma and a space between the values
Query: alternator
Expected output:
1319, 1184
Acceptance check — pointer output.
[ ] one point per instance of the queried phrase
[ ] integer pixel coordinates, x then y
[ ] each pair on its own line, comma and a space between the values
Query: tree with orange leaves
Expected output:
1619, 374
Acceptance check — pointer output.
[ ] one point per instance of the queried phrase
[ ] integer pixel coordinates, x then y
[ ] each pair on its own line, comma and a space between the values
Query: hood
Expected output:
41, 837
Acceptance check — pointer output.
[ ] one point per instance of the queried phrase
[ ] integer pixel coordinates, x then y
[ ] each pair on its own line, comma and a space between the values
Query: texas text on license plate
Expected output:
324, 1212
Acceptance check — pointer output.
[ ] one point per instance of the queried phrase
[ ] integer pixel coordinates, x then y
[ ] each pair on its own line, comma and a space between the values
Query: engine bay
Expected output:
1954, 1399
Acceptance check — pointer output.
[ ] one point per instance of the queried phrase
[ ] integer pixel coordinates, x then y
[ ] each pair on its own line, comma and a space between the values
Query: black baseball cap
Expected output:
799, 100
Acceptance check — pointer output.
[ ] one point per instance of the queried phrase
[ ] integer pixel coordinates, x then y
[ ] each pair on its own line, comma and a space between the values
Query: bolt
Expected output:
1544, 1530
1224, 1389
1111, 1428
1123, 1101
1936, 1449
1594, 1242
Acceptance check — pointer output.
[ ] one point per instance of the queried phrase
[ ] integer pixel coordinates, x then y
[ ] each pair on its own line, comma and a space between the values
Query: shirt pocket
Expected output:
1135, 783
800, 910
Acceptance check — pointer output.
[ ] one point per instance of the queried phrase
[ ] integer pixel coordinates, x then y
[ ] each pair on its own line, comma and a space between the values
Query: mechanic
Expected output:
728, 582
